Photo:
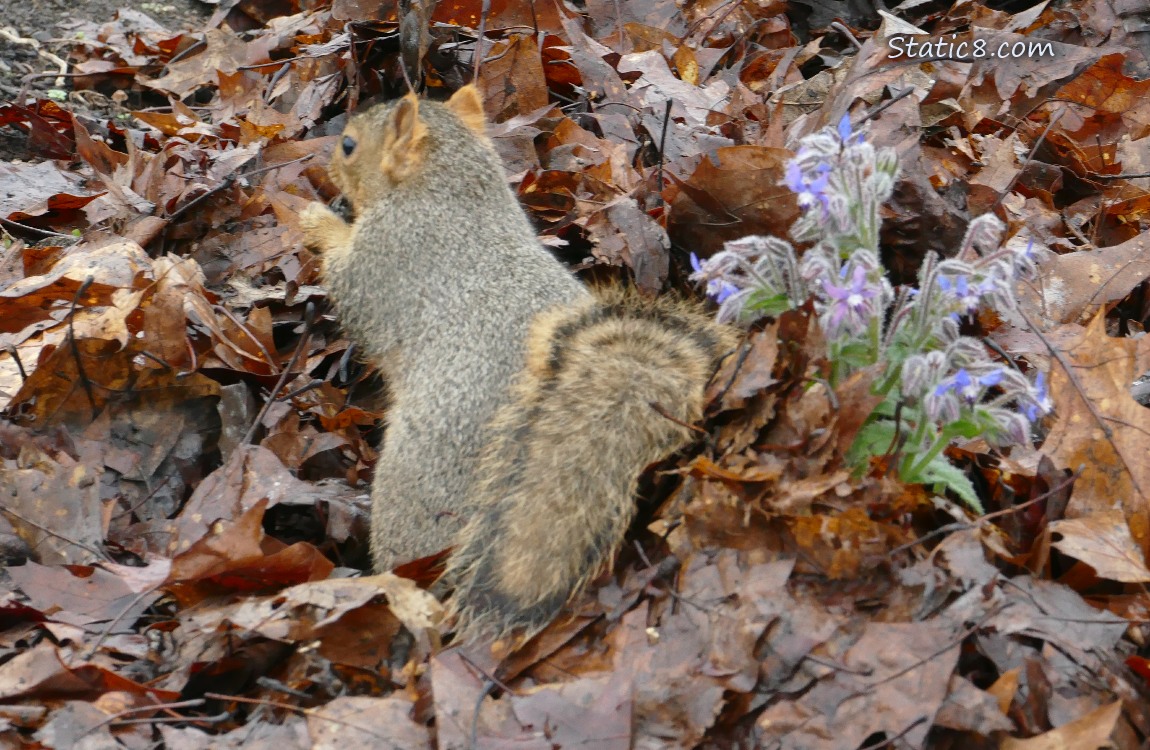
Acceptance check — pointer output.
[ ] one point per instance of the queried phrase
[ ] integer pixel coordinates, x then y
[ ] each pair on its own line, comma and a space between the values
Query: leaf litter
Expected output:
187, 435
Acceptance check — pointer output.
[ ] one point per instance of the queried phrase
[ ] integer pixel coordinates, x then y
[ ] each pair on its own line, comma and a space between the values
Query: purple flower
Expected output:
721, 290
968, 388
967, 295
844, 132
794, 179
1039, 403
808, 190
1023, 262
851, 301
717, 289
845, 128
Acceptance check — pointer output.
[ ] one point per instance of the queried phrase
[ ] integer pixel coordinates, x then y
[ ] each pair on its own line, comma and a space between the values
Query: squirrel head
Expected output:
395, 143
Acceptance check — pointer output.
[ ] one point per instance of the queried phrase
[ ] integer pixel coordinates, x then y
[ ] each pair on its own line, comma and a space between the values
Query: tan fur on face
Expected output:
391, 144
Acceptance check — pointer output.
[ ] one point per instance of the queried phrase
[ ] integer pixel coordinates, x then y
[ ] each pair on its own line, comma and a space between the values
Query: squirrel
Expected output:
524, 406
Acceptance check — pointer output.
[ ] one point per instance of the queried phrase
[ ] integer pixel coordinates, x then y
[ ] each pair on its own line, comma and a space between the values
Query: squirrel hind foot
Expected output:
511, 578
488, 611
482, 606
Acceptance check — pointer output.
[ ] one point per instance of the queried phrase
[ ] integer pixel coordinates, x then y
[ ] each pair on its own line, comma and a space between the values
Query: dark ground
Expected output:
49, 22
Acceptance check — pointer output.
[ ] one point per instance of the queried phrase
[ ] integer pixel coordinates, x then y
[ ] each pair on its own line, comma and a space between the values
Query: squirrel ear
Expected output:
403, 153
467, 104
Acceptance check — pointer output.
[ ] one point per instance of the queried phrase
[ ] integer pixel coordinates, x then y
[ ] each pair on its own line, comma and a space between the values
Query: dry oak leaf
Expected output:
1105, 87
1070, 285
112, 265
1088, 732
1103, 541
225, 53
1100, 429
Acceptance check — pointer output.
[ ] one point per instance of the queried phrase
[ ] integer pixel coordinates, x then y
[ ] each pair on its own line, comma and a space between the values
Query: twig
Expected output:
662, 411
224, 185
744, 351
842, 29
731, 8
132, 509
196, 46
838, 666
107, 630
1069, 370
304, 711
953, 643
80, 373
489, 681
11, 35
1113, 276
1029, 158
1124, 176
309, 386
97, 552
982, 520
219, 718
309, 320
484, 10
37, 230
882, 107
113, 719
267, 356
663, 145
11, 348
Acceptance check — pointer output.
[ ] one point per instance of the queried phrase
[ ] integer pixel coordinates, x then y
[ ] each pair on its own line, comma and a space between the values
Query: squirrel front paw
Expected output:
323, 229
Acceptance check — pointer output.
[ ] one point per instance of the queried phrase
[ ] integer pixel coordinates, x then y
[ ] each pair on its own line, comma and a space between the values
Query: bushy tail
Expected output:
559, 474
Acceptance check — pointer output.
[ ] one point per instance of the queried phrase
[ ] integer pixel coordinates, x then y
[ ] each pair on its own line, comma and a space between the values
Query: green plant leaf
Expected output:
764, 303
872, 440
941, 471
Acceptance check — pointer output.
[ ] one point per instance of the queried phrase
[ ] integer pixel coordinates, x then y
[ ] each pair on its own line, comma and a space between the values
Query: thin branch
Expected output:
1069, 370
303, 341
36, 230
80, 373
97, 552
1029, 158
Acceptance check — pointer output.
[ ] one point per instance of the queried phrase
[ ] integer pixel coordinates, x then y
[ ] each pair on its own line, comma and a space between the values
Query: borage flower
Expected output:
1037, 403
717, 289
969, 389
852, 302
845, 135
966, 294
809, 191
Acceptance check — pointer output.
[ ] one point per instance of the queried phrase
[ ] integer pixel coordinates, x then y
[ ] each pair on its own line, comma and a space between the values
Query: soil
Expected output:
47, 22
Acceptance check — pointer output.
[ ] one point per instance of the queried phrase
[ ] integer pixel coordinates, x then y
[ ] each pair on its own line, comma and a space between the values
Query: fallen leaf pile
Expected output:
187, 435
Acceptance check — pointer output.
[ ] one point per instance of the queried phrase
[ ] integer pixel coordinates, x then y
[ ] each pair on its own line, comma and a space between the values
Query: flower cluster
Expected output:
937, 384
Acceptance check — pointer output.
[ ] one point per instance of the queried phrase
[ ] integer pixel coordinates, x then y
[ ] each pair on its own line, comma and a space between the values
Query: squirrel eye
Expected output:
348, 145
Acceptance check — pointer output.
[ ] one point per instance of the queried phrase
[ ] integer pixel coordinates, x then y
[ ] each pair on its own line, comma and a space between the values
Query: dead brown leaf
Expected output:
1070, 287
1102, 540
1100, 429
1090, 732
